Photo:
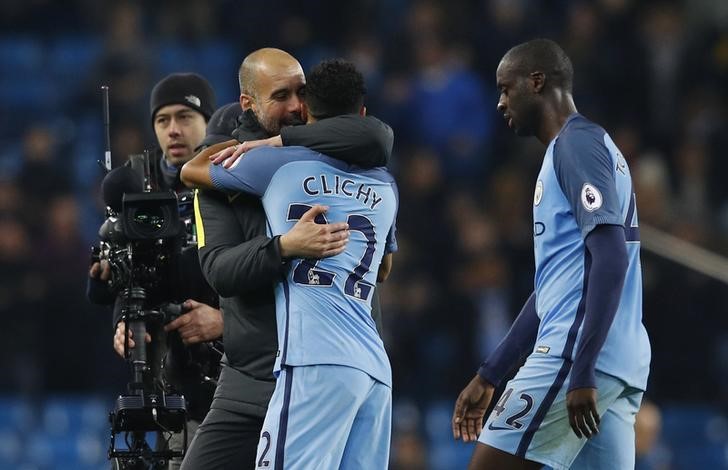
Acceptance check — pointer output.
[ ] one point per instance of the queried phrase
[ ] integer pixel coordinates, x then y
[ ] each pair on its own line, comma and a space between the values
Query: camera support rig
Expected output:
148, 406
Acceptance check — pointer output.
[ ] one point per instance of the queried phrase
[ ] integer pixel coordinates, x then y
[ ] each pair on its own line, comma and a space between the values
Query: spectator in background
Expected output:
41, 176
447, 110
125, 64
22, 291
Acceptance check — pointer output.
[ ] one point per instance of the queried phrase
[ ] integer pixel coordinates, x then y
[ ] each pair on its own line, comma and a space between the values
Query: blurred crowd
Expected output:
653, 73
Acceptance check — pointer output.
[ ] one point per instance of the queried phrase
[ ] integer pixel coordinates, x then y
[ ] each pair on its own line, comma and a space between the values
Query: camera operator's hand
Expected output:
119, 338
200, 323
100, 270
309, 239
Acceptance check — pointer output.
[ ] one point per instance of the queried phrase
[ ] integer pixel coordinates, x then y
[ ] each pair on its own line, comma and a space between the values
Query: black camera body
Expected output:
142, 243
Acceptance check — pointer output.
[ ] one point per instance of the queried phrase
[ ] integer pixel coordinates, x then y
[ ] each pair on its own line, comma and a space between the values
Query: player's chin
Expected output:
522, 131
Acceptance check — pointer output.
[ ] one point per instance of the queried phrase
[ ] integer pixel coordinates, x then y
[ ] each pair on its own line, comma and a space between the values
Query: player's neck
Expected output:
555, 114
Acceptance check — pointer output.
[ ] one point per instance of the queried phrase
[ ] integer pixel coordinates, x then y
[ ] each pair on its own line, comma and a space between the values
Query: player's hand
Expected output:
200, 323
308, 239
100, 270
581, 404
230, 155
467, 419
119, 338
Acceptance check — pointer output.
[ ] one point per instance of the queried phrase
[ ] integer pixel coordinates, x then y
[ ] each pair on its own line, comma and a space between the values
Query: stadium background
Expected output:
653, 73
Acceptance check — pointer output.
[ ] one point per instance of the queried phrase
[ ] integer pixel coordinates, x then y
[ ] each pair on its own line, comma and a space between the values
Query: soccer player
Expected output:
331, 407
574, 400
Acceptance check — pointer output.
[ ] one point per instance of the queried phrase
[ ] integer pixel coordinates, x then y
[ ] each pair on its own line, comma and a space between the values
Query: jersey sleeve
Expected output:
391, 245
583, 166
363, 141
251, 173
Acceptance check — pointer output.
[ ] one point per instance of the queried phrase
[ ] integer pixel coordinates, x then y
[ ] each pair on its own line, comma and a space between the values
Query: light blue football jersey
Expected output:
323, 308
584, 182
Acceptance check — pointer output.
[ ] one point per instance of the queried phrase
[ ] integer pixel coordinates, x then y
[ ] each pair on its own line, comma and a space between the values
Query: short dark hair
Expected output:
334, 87
543, 55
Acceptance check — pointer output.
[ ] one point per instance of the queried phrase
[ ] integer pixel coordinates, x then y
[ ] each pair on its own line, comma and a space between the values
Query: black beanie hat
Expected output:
188, 89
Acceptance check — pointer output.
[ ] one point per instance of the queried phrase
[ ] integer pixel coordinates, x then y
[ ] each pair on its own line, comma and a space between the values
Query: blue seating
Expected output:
73, 415
20, 56
174, 57
16, 415
11, 448
30, 94
687, 425
70, 58
697, 436
445, 452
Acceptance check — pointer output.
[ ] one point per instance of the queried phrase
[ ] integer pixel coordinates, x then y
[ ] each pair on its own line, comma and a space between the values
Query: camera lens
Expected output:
149, 218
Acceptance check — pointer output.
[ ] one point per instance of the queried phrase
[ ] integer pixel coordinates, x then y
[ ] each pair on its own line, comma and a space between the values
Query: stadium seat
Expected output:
20, 56
445, 452
16, 415
175, 57
11, 448
689, 425
69, 55
74, 416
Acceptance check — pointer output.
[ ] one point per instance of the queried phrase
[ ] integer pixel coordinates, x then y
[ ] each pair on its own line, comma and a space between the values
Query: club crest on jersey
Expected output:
538, 193
591, 198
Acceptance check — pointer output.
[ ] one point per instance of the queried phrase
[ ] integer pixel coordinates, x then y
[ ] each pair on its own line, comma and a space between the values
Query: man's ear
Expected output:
363, 111
304, 112
247, 102
538, 81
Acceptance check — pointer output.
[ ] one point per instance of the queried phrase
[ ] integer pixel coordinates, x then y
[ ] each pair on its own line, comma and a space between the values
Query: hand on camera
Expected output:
120, 334
200, 323
309, 239
100, 270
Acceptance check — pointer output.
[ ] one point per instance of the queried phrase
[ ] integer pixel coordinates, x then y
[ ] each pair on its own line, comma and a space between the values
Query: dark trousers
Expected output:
225, 440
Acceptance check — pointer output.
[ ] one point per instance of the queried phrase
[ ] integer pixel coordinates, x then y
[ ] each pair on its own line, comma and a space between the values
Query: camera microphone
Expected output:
117, 182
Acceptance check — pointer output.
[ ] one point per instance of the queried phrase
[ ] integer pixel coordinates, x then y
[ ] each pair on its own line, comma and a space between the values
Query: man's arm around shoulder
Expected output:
196, 172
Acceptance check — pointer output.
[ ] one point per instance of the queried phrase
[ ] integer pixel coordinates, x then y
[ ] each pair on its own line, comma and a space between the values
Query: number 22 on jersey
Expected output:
308, 273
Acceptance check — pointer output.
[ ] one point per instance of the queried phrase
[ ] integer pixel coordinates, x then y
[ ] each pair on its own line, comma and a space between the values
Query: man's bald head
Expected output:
271, 85
265, 61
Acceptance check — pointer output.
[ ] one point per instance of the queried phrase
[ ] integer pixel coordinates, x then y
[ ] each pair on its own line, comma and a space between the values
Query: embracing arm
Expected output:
196, 172
359, 140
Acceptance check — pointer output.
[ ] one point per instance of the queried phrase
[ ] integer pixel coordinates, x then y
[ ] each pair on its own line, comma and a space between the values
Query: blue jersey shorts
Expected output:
326, 417
530, 419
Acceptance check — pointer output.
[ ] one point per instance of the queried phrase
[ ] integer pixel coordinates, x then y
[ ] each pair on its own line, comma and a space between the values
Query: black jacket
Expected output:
242, 264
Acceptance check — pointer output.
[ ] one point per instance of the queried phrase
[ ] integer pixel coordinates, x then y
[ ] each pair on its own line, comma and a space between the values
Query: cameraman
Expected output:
180, 105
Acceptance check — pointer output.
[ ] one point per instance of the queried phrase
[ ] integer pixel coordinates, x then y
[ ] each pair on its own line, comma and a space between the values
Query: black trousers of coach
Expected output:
224, 441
